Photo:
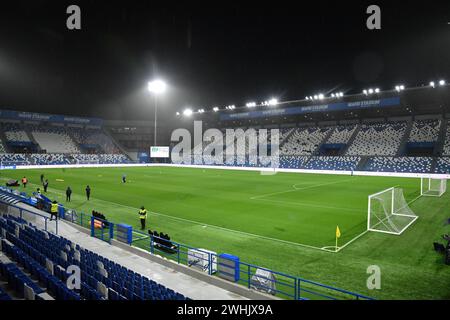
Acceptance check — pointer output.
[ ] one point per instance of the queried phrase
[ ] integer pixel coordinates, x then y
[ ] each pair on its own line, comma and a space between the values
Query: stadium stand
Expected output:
446, 149
304, 141
44, 257
425, 131
379, 139
443, 165
54, 140
400, 164
341, 134
333, 163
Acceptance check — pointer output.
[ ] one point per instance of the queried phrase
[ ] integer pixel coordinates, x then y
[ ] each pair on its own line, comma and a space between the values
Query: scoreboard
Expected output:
159, 152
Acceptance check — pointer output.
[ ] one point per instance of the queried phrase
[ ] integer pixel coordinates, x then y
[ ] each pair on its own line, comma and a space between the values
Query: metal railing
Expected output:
253, 277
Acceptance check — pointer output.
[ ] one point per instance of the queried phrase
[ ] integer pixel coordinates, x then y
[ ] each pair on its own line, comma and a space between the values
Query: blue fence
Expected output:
251, 276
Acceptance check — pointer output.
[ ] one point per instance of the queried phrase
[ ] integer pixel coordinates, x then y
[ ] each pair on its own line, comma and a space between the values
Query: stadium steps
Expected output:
362, 163
352, 138
439, 147
116, 143
325, 139
3, 141
401, 149
75, 142
32, 139
287, 137
8, 198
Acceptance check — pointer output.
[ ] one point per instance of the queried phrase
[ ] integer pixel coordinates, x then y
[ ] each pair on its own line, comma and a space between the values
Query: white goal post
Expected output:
388, 212
432, 187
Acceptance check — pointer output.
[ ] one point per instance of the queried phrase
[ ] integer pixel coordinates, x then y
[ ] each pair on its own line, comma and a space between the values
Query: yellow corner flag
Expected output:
338, 235
338, 232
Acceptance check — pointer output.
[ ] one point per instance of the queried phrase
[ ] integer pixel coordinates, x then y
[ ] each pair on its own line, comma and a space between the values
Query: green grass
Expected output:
276, 221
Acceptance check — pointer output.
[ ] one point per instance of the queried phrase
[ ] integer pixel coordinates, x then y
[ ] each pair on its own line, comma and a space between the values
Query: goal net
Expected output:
432, 187
389, 212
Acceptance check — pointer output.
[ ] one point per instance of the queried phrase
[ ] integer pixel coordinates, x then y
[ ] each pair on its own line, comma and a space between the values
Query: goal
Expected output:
388, 212
432, 187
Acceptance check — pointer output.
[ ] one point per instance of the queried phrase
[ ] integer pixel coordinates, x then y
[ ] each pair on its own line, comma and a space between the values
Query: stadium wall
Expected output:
265, 170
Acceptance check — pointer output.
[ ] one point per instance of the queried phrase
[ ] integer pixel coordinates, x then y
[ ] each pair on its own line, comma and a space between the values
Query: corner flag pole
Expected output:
338, 235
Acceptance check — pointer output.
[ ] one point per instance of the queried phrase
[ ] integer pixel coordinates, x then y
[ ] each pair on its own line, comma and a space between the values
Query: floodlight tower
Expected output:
156, 87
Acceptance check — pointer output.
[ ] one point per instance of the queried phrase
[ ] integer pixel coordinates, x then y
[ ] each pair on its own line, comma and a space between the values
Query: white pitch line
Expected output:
294, 188
204, 224
306, 204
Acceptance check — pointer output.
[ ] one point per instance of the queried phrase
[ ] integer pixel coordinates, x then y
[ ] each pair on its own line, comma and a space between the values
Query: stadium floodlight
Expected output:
215, 109
316, 97
310, 97
156, 87
365, 92
432, 84
177, 113
250, 104
377, 90
370, 91
341, 94
332, 95
306, 98
399, 88
187, 112
441, 82
321, 96
273, 102
201, 110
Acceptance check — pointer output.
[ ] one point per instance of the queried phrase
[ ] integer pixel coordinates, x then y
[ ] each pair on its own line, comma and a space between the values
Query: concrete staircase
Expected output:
325, 139
352, 138
362, 163
439, 146
402, 147
32, 139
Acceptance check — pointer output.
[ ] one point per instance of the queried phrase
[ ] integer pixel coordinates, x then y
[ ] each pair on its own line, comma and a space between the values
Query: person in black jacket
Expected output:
45, 185
88, 192
68, 194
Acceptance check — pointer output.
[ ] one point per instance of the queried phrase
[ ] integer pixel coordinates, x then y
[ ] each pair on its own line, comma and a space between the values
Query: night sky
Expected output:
211, 53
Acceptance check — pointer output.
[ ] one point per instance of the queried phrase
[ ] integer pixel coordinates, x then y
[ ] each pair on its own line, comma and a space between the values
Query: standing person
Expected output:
24, 182
143, 217
68, 194
88, 192
45, 185
54, 210
38, 191
42, 178
124, 178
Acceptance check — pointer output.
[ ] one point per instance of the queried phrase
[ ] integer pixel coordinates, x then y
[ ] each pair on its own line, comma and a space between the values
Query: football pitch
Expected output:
285, 222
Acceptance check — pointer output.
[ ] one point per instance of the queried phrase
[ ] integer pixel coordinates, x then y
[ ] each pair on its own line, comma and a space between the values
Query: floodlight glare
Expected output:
370, 91
187, 112
432, 84
273, 102
441, 82
215, 109
315, 97
332, 95
251, 104
157, 86
177, 113
377, 90
365, 92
